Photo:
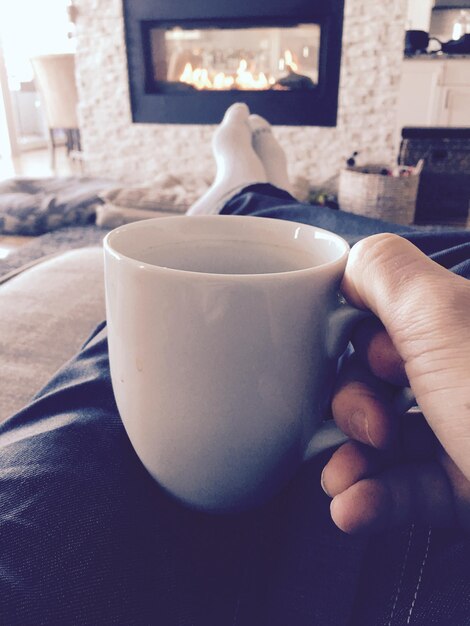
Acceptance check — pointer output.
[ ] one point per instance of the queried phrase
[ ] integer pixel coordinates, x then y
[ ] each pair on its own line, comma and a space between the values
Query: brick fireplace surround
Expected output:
114, 147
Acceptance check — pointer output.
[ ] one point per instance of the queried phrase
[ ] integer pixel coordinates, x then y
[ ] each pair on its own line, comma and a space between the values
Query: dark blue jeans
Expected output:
87, 537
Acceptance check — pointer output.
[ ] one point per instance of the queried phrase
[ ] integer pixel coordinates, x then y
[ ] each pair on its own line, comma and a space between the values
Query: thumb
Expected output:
426, 312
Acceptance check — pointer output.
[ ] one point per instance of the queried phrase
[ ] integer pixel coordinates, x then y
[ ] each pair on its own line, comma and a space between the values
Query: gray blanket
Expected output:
35, 206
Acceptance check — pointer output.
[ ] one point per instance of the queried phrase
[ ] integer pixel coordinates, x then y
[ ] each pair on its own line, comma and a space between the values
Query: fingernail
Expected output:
359, 426
322, 483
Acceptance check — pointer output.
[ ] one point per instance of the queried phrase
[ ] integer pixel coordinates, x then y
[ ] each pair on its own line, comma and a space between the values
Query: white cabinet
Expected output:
454, 109
418, 97
434, 92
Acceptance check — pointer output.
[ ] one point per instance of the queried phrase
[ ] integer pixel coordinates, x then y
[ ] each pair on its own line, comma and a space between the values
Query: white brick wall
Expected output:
137, 153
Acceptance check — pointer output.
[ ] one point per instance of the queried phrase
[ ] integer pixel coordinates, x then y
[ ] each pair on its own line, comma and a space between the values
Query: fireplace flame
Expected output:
289, 61
242, 79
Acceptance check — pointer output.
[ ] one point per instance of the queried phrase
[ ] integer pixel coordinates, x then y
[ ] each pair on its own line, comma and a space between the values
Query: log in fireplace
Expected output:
188, 61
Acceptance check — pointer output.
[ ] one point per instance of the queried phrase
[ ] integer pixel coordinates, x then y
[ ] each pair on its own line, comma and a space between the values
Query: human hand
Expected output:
411, 468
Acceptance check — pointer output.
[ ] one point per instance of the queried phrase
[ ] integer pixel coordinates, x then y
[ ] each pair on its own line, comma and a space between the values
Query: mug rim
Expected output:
109, 248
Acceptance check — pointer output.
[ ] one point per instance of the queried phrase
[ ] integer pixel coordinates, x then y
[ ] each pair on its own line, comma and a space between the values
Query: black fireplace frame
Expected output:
315, 107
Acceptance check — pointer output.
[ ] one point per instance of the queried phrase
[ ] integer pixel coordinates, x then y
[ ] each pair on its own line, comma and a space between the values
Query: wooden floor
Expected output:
36, 164
31, 164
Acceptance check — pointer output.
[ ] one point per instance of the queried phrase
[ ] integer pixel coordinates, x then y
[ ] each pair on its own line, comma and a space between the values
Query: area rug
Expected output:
55, 242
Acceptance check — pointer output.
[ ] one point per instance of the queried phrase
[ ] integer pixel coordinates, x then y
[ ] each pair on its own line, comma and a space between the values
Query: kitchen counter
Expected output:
439, 56
434, 93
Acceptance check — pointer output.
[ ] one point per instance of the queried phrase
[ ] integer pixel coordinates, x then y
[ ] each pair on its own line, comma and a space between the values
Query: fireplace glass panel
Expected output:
223, 59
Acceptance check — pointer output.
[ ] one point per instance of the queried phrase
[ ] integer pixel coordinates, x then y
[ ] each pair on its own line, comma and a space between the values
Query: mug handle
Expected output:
340, 326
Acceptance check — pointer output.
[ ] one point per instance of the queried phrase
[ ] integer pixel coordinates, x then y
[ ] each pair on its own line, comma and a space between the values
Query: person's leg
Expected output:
88, 537
237, 164
246, 153
270, 153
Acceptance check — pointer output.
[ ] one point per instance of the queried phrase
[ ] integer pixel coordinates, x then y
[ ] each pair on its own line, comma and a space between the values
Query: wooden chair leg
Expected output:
76, 152
70, 141
52, 148
78, 140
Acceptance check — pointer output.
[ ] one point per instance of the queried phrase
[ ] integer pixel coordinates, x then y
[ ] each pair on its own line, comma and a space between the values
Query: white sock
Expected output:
237, 163
270, 152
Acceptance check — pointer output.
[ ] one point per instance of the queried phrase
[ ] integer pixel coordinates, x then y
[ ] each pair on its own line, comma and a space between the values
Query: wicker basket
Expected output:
389, 198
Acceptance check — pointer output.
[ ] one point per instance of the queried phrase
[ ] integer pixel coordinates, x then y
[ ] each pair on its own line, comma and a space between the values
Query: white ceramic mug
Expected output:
224, 337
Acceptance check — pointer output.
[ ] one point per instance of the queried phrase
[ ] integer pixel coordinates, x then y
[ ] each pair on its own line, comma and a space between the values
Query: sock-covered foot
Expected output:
237, 163
270, 152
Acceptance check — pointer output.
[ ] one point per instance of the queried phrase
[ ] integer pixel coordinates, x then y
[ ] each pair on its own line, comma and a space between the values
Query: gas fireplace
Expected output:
188, 61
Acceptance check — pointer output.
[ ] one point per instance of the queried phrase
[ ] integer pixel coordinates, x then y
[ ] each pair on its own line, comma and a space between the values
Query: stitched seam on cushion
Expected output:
402, 574
26, 266
408, 621
237, 611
